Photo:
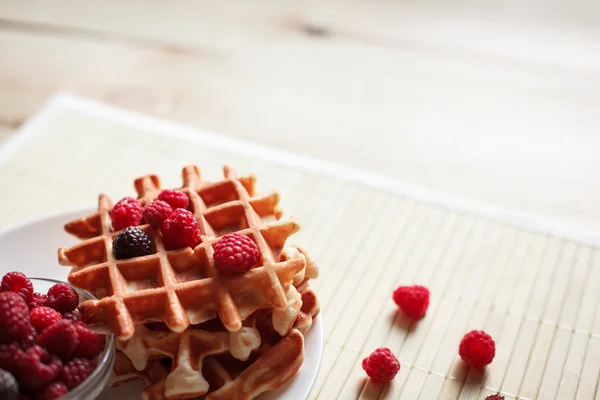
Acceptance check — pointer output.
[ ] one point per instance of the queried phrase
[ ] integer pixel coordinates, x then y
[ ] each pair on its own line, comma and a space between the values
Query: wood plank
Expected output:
513, 124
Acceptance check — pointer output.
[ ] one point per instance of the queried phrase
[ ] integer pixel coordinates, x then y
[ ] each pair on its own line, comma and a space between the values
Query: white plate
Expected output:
32, 249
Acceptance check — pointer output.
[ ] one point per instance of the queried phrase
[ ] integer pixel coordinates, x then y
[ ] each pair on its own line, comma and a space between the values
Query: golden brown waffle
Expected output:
271, 370
124, 371
187, 351
182, 287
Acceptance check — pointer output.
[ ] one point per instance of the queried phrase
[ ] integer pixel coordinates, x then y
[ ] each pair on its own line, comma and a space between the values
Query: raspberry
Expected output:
494, 397
17, 282
14, 318
9, 355
54, 391
43, 317
180, 230
413, 300
29, 339
477, 349
71, 316
36, 368
174, 198
131, 242
63, 298
60, 338
156, 212
9, 389
381, 365
127, 212
38, 300
235, 252
75, 371
91, 344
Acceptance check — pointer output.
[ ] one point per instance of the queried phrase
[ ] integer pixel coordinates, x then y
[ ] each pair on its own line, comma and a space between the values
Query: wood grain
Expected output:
496, 100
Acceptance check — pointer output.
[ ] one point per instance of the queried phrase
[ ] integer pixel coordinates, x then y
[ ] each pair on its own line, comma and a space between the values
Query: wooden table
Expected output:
496, 100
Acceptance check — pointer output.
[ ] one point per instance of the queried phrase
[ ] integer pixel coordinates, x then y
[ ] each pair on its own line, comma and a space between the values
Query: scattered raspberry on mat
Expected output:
413, 300
477, 349
131, 242
235, 252
63, 298
91, 344
180, 230
17, 282
14, 318
43, 317
54, 391
127, 212
76, 371
36, 368
381, 365
174, 198
9, 389
38, 300
494, 397
60, 339
156, 212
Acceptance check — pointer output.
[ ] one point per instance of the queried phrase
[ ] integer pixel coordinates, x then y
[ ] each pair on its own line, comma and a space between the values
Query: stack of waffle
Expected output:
180, 326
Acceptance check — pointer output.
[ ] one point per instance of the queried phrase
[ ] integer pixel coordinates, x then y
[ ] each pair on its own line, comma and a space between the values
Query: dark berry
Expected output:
9, 388
131, 242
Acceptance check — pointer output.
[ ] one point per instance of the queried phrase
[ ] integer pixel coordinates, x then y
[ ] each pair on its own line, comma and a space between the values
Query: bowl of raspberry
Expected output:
46, 352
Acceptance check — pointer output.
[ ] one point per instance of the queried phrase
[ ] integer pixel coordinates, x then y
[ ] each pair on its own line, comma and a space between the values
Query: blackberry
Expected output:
9, 389
131, 242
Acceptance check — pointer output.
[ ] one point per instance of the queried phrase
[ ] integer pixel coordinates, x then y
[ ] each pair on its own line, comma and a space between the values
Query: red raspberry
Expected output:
91, 344
14, 318
36, 368
413, 300
9, 355
43, 317
127, 212
235, 252
477, 349
54, 391
30, 339
156, 212
494, 397
63, 298
38, 300
381, 365
76, 371
60, 338
174, 198
17, 282
180, 230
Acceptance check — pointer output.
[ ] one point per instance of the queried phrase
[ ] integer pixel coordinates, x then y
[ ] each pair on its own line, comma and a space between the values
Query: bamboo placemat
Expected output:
535, 293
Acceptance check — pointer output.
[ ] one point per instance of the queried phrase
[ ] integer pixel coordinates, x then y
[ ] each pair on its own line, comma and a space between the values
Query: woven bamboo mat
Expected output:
535, 293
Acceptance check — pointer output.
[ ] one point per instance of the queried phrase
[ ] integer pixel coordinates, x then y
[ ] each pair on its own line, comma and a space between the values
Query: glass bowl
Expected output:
97, 381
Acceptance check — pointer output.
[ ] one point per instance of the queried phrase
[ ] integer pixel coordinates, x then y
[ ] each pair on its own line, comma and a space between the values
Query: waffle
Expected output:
124, 371
181, 287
